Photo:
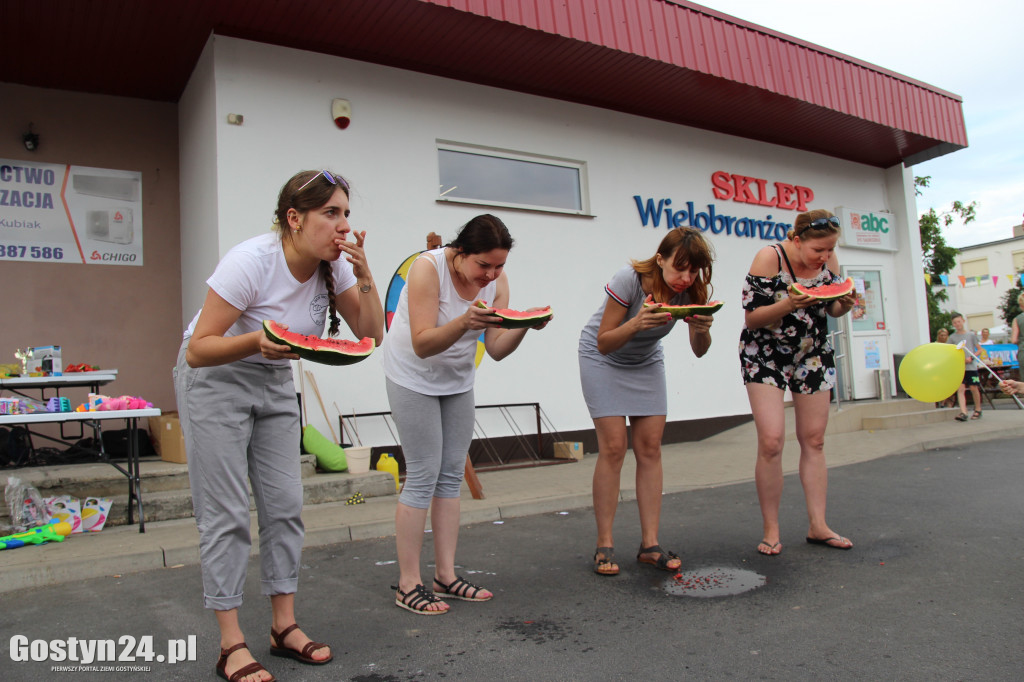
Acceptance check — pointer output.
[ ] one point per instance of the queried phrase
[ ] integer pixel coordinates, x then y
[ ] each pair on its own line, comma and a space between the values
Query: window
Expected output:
1018, 261
494, 177
974, 268
980, 321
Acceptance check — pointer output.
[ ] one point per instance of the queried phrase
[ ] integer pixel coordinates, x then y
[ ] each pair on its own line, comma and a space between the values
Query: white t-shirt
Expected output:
449, 372
254, 277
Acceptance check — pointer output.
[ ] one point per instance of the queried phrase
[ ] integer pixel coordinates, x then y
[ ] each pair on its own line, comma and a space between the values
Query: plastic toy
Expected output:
55, 532
389, 464
100, 403
58, 405
81, 367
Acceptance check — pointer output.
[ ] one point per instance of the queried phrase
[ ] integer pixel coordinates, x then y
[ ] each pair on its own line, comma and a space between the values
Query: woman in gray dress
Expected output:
622, 370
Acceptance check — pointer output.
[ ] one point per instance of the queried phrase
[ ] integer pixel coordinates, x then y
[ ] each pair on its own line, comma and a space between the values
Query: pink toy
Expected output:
124, 402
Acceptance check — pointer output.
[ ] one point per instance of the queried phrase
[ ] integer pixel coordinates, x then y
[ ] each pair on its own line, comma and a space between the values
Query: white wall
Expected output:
389, 154
198, 125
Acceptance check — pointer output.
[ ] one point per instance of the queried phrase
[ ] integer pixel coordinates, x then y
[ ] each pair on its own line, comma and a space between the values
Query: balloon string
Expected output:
967, 350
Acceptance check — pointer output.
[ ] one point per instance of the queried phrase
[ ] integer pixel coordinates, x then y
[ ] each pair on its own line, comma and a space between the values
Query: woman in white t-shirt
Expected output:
429, 362
237, 405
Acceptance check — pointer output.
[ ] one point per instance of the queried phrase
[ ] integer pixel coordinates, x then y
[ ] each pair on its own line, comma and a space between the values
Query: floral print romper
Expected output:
794, 351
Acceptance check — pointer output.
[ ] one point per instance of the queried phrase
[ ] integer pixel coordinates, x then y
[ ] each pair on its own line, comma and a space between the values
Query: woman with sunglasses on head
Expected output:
430, 365
784, 343
236, 400
622, 370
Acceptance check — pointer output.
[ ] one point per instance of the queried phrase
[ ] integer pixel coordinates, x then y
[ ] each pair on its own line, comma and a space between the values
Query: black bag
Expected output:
116, 444
15, 448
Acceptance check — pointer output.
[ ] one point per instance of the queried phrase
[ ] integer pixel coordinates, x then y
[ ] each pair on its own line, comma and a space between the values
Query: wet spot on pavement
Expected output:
713, 582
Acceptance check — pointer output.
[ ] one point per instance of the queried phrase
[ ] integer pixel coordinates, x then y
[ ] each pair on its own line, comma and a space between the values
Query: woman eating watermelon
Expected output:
429, 363
622, 369
237, 404
789, 290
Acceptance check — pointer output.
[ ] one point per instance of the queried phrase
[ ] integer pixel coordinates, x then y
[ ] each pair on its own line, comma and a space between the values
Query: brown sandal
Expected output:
304, 656
250, 669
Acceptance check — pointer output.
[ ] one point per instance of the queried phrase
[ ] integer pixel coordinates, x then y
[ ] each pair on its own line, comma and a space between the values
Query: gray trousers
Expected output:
435, 431
241, 421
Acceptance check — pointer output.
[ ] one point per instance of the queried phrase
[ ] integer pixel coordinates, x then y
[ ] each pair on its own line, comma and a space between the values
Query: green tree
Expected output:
1009, 306
939, 257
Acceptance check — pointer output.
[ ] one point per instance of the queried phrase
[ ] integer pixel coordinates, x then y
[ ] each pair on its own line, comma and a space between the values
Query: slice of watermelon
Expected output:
324, 351
827, 292
680, 311
518, 319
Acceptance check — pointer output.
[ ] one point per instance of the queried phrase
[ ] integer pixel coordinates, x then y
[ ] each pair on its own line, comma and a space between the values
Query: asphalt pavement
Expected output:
931, 591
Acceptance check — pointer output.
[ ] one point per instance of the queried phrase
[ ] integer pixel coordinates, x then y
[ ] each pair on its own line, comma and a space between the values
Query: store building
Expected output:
629, 116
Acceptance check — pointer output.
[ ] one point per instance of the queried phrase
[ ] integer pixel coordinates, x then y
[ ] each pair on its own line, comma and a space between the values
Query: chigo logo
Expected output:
113, 257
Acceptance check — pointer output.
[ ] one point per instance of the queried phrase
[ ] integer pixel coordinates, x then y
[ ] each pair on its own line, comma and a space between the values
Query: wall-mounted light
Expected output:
341, 112
30, 139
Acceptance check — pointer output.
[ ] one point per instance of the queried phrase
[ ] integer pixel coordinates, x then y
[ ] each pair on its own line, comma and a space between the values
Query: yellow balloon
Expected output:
932, 372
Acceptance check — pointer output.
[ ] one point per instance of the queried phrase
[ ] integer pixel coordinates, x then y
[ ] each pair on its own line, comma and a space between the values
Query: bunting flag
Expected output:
928, 278
978, 279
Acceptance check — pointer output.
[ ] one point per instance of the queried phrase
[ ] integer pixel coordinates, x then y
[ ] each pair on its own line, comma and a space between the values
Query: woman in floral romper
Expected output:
784, 344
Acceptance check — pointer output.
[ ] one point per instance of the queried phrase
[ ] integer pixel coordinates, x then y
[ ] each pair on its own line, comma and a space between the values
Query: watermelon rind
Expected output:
827, 292
680, 311
519, 319
299, 343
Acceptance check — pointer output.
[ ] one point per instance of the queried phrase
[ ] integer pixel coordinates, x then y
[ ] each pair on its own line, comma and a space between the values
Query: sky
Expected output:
971, 49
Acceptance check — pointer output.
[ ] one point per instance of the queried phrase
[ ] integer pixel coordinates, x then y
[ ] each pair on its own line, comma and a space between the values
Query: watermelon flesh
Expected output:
681, 311
518, 319
324, 351
827, 292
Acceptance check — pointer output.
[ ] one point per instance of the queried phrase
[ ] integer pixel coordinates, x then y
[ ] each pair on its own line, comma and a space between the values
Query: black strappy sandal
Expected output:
605, 565
663, 558
417, 600
460, 588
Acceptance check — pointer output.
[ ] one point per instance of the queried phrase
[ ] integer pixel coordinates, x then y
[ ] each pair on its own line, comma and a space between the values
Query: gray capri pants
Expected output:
241, 421
435, 431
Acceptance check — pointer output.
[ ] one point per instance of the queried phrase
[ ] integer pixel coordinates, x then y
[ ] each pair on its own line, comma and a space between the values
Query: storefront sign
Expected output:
55, 213
749, 190
653, 214
742, 189
867, 230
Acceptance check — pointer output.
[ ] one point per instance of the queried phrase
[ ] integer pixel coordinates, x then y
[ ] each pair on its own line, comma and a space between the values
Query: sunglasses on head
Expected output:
330, 178
820, 223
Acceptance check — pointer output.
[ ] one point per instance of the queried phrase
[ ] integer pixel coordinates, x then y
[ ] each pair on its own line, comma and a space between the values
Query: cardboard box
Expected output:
168, 440
568, 450
45, 360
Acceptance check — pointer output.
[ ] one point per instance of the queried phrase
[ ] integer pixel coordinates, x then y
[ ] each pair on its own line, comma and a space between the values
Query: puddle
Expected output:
713, 582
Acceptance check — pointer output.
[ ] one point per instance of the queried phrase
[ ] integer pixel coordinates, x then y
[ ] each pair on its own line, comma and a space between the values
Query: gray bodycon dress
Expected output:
629, 382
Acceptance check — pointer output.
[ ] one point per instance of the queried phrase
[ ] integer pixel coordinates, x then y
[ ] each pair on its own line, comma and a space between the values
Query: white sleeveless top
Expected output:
449, 372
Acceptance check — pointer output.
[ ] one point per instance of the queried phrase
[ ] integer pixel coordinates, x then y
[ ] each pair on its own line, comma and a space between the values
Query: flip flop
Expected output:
772, 551
828, 542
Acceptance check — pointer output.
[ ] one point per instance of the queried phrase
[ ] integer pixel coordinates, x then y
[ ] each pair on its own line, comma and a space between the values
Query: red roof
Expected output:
667, 60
